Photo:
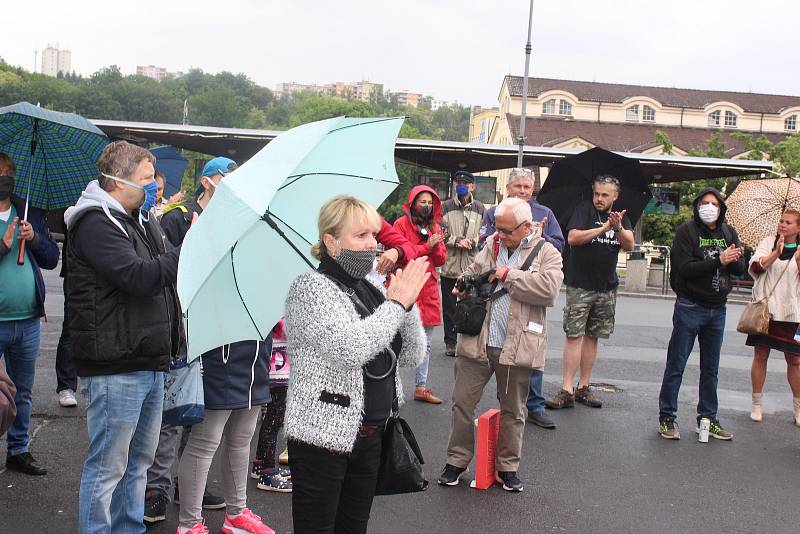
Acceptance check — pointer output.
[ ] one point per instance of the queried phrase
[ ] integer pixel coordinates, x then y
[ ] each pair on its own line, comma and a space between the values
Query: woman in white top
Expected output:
772, 257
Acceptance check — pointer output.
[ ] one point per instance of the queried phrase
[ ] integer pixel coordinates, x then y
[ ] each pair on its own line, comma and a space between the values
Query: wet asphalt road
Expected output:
600, 471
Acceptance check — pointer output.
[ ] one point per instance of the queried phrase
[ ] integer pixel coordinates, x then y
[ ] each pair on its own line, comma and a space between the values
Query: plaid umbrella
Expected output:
756, 206
55, 153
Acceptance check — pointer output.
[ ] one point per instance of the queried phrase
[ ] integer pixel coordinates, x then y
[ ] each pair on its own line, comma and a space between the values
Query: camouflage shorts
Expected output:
589, 312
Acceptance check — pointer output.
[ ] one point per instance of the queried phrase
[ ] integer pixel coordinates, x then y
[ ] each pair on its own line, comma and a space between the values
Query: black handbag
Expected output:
470, 312
400, 470
401, 460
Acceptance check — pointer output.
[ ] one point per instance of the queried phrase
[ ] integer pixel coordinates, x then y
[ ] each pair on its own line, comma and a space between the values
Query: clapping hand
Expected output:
405, 284
8, 236
615, 219
779, 246
435, 239
387, 260
730, 255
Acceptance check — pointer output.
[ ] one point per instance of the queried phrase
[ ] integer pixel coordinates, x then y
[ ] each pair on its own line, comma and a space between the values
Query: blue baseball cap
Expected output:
219, 165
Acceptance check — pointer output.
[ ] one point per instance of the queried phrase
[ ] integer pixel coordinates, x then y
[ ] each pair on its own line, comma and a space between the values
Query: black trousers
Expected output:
448, 309
66, 376
332, 492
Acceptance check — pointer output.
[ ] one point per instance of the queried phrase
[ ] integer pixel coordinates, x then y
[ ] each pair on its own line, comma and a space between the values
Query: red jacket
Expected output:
429, 300
390, 238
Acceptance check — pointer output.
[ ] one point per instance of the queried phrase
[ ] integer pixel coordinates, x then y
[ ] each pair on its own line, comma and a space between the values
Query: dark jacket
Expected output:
42, 251
177, 219
237, 375
697, 273
551, 233
122, 304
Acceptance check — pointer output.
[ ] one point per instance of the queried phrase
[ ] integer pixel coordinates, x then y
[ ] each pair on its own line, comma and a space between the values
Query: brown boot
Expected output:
424, 394
564, 399
584, 396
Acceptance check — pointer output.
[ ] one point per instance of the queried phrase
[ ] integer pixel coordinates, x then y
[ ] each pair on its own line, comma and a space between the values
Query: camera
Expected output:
476, 285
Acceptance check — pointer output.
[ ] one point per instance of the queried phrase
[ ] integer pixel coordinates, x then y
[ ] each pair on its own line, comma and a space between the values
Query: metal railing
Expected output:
651, 252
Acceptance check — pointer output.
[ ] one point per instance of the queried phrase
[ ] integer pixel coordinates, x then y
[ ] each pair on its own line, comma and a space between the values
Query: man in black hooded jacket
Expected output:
705, 252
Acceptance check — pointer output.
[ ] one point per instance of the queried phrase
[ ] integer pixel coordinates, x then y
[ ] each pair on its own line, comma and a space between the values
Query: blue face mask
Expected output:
150, 194
462, 190
150, 191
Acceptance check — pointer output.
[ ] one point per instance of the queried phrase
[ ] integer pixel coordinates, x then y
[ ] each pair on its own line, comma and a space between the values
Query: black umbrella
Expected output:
570, 181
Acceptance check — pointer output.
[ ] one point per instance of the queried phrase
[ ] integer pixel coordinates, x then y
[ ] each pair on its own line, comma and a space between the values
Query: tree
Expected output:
218, 106
145, 99
786, 155
665, 142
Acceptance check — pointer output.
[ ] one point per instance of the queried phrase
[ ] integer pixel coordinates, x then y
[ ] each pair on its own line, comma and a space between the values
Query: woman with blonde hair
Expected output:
775, 267
345, 340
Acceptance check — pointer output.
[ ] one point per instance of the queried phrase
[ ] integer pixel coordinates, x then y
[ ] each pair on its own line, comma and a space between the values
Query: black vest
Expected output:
113, 332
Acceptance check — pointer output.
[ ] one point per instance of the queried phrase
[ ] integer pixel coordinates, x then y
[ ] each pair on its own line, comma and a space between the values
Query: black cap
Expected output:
464, 176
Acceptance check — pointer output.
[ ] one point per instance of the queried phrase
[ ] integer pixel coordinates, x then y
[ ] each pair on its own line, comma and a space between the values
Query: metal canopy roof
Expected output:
450, 156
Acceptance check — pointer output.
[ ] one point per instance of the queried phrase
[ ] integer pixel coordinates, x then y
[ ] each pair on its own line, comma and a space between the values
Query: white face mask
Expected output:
708, 213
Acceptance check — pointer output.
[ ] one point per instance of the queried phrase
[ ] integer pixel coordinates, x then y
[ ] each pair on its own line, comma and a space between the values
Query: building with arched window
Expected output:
576, 114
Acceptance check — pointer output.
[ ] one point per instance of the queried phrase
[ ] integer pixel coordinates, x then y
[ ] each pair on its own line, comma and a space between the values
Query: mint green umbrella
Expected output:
255, 235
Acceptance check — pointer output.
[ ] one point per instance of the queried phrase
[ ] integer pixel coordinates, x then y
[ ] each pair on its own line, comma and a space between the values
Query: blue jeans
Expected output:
535, 402
421, 375
19, 342
690, 321
123, 415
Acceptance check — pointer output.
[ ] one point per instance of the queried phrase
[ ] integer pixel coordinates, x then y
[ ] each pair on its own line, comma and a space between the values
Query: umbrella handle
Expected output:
21, 257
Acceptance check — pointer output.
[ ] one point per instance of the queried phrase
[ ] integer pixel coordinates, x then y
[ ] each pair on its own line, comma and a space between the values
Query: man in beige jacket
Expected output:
512, 341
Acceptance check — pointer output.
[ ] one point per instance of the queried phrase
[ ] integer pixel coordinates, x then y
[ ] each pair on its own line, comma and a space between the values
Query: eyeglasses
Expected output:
508, 232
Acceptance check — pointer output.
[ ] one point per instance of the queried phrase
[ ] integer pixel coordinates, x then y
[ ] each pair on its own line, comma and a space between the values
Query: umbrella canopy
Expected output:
755, 207
56, 153
570, 181
172, 165
254, 237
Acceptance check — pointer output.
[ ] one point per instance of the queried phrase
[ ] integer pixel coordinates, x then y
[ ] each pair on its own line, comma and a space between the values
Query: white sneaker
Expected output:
66, 398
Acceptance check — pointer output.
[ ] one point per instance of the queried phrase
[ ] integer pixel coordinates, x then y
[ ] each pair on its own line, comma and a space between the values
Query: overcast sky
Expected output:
450, 49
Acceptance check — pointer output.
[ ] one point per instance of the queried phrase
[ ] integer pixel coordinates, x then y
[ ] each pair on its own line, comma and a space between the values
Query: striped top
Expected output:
498, 324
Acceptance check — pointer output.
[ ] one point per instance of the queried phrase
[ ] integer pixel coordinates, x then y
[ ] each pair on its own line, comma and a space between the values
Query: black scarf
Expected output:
378, 394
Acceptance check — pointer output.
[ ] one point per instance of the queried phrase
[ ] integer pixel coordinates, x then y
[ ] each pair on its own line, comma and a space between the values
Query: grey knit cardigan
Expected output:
328, 345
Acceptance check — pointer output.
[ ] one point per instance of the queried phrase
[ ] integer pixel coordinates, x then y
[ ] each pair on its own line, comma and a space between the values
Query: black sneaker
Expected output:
509, 481
450, 350
450, 475
24, 463
668, 428
541, 420
155, 506
271, 480
255, 471
210, 501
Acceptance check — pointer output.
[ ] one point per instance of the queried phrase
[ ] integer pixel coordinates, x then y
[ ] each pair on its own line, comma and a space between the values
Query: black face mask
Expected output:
424, 211
6, 186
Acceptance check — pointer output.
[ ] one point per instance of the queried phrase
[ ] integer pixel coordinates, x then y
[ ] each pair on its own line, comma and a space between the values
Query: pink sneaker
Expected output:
245, 523
198, 528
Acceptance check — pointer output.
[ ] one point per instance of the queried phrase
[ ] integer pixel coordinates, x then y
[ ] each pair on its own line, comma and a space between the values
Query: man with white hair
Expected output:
526, 274
520, 185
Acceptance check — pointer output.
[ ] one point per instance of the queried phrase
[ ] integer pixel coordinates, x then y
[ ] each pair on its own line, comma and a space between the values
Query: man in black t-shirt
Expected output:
595, 234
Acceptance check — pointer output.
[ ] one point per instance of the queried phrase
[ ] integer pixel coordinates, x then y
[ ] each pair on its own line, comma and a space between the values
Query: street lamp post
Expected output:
521, 137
